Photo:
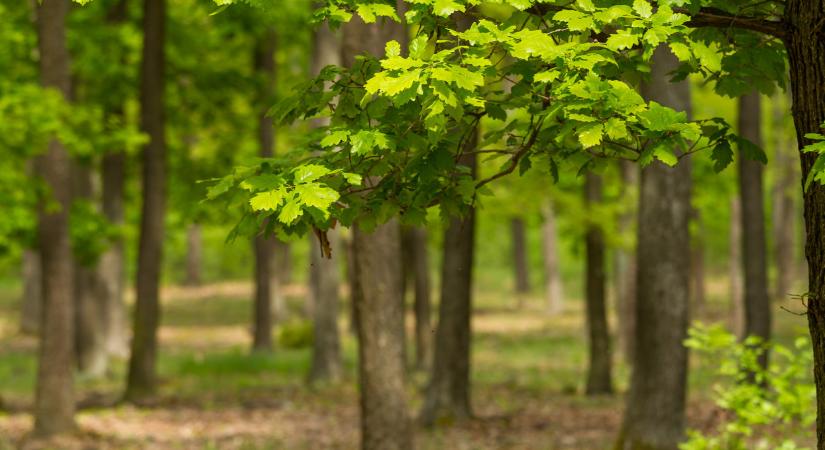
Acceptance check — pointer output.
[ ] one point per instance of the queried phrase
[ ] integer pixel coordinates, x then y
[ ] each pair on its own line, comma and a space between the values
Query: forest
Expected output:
412, 224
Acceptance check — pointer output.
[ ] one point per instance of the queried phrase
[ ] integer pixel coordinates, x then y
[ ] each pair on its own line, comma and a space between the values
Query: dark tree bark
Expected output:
655, 411
625, 264
554, 289
54, 403
754, 246
737, 298
265, 283
32, 297
784, 202
599, 379
416, 260
805, 42
520, 264
385, 423
447, 397
142, 379
194, 255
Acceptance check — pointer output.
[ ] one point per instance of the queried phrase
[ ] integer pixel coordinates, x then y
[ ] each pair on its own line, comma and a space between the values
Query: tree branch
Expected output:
713, 17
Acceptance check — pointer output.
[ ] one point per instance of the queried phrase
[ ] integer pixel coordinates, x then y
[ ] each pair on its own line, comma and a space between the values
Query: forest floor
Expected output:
528, 372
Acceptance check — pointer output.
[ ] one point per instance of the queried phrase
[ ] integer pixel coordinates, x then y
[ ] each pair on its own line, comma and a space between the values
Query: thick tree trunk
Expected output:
754, 246
54, 403
784, 202
806, 50
625, 264
599, 379
194, 255
142, 380
418, 269
90, 337
378, 300
448, 394
31, 302
325, 287
266, 282
737, 283
521, 271
554, 290
112, 268
655, 412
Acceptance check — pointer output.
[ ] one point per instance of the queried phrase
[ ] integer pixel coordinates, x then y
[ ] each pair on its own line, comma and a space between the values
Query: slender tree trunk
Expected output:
520, 262
448, 394
418, 269
31, 301
625, 272
754, 246
385, 423
554, 290
194, 254
352, 282
806, 50
90, 337
599, 379
283, 265
655, 412
54, 401
266, 283
737, 283
142, 380
784, 203
111, 268
697, 263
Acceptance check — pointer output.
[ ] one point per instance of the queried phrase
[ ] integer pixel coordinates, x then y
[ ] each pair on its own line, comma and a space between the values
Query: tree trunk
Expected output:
599, 379
806, 51
385, 423
54, 402
266, 282
554, 290
194, 254
737, 298
32, 297
283, 265
142, 380
111, 268
754, 248
418, 268
90, 337
784, 202
448, 394
625, 272
655, 412
697, 263
325, 287
520, 262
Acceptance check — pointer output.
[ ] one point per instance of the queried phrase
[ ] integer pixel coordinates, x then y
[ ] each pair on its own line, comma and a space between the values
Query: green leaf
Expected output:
751, 150
642, 8
590, 135
534, 43
317, 195
267, 201
309, 172
615, 128
262, 182
722, 156
661, 118
664, 153
575, 20
622, 39
445, 8
353, 178
334, 138
291, 211
392, 48
548, 76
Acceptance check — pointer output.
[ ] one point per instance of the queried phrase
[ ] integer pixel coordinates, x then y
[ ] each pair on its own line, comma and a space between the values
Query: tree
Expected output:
55, 403
599, 379
520, 261
264, 246
417, 268
142, 378
783, 200
554, 290
655, 409
754, 245
31, 300
625, 264
378, 299
737, 297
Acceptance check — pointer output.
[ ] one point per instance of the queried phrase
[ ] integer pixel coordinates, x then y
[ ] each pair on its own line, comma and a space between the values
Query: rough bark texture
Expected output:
625, 264
111, 268
54, 398
142, 380
599, 379
32, 286
737, 297
554, 289
754, 245
266, 284
194, 255
521, 271
655, 411
784, 202
378, 300
806, 50
448, 394
416, 259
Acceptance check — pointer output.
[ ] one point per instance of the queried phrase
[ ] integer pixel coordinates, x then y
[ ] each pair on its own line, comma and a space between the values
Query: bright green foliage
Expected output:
759, 400
817, 172
547, 83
